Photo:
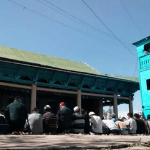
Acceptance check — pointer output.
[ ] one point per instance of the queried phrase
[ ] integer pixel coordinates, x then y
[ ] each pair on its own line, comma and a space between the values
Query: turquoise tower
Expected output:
143, 53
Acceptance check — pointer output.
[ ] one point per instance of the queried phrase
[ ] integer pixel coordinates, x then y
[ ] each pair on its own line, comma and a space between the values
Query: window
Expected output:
148, 84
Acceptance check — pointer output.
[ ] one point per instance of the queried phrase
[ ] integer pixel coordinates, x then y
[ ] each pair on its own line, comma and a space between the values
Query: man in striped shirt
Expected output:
78, 121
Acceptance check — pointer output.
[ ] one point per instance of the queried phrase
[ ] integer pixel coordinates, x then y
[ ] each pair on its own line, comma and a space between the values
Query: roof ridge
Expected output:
42, 54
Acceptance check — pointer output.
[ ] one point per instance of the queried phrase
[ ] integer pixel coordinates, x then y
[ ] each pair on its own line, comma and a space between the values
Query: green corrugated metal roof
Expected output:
45, 60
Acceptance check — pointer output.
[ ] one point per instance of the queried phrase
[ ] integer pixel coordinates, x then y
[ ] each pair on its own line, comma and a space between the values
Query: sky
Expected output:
38, 26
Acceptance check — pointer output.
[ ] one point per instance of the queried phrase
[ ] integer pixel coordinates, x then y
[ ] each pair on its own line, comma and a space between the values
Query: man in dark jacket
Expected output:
4, 127
17, 115
87, 127
64, 119
78, 121
140, 124
148, 123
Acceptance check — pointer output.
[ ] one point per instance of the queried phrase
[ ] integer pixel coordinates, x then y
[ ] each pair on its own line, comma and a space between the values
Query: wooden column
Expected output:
115, 104
130, 104
4, 99
79, 99
33, 96
100, 109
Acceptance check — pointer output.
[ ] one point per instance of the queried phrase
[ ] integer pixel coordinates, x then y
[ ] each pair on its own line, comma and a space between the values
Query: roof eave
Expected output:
138, 43
61, 70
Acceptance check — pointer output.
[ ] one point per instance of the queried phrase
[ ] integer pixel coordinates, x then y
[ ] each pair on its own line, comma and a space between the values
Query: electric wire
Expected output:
78, 19
57, 11
24, 7
83, 22
130, 16
46, 17
108, 28
136, 65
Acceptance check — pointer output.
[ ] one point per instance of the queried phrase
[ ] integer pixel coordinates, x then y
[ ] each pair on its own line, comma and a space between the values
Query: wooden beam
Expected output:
15, 85
97, 95
125, 98
56, 90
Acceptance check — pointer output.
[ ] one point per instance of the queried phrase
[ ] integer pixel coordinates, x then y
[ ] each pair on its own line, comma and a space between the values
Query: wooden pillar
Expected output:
115, 104
130, 104
33, 96
100, 109
4, 101
79, 99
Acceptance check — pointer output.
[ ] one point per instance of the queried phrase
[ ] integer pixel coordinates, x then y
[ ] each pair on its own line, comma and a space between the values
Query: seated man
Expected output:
17, 116
87, 123
35, 121
4, 127
122, 126
140, 124
112, 126
46, 119
131, 124
78, 121
64, 119
148, 124
106, 130
96, 123
48, 112
112, 117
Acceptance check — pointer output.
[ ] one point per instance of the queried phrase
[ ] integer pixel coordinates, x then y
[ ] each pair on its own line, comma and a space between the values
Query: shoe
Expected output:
15, 133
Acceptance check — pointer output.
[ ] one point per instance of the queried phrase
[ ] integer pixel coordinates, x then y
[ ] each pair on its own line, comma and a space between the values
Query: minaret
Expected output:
143, 53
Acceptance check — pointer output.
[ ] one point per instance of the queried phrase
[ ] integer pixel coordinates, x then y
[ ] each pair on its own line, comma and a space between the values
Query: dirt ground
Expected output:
71, 142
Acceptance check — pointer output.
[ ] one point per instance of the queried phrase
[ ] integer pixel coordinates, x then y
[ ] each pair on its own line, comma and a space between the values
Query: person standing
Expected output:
78, 121
96, 123
35, 121
131, 124
17, 115
64, 119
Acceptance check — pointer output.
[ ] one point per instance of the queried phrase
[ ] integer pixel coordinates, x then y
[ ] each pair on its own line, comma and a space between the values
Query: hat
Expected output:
47, 106
91, 113
76, 109
62, 104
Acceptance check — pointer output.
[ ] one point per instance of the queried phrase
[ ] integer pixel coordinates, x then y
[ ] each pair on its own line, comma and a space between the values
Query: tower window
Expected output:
148, 84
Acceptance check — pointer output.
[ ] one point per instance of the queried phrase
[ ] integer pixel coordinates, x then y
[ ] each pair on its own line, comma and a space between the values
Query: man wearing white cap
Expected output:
78, 121
96, 123
48, 112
